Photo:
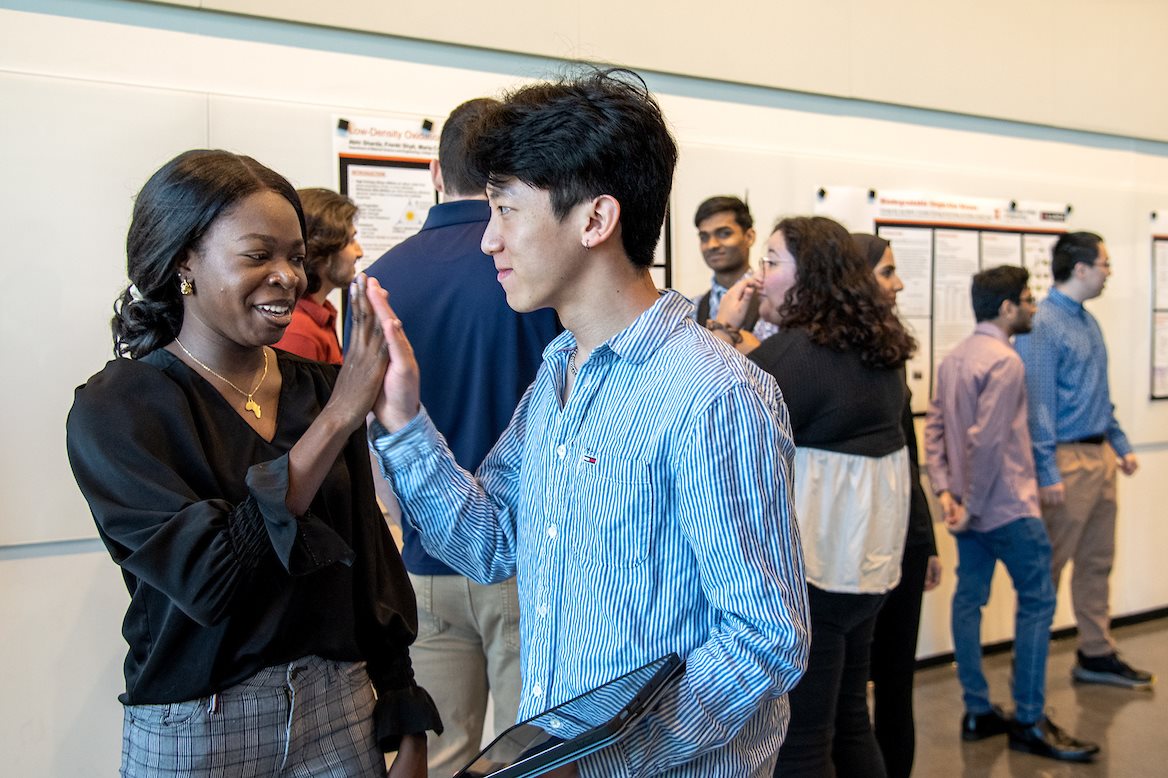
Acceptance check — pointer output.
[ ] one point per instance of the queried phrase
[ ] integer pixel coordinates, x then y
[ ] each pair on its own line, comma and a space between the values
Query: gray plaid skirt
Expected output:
313, 717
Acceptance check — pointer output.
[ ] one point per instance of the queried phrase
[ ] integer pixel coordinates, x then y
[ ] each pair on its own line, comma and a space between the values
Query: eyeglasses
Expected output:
766, 263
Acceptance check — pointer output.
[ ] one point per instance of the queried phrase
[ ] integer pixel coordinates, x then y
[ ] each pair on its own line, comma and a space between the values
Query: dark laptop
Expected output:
577, 727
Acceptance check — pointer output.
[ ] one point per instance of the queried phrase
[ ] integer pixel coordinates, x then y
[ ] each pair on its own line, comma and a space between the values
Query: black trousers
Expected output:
894, 658
830, 732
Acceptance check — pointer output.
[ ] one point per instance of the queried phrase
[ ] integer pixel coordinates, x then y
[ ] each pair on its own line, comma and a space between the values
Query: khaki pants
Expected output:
467, 646
1082, 530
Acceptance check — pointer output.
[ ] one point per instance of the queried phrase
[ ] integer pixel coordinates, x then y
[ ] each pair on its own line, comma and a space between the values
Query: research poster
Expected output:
940, 241
1159, 244
384, 167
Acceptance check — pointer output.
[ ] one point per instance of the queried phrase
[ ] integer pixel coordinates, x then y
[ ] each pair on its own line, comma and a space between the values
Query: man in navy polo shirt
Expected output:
477, 358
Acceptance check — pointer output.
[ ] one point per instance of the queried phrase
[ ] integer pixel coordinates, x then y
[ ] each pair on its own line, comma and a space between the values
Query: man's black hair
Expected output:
991, 288
602, 133
459, 175
1070, 250
721, 204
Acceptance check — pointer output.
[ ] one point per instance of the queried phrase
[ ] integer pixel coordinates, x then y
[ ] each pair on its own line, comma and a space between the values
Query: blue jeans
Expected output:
1024, 549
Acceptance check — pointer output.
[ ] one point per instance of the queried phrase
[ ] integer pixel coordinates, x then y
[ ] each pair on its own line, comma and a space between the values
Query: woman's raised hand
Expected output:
399, 400
359, 381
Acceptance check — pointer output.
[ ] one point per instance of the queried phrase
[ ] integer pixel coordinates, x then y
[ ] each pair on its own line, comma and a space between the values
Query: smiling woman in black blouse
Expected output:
231, 483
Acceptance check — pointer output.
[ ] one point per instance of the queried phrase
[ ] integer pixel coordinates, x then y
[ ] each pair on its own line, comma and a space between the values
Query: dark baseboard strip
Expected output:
1005, 646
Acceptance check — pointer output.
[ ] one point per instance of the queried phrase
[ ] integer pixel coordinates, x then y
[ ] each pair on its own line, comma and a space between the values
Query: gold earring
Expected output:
186, 286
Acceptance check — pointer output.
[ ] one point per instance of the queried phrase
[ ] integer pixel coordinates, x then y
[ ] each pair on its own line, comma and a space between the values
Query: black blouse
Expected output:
223, 580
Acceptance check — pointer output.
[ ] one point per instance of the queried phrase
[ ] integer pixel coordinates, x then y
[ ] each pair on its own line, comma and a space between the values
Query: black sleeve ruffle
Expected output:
406, 711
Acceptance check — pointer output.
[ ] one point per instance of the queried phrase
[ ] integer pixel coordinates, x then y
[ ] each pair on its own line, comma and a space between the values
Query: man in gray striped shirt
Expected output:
642, 491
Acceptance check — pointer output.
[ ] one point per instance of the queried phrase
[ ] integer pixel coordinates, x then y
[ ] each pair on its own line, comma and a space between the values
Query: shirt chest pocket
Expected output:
615, 507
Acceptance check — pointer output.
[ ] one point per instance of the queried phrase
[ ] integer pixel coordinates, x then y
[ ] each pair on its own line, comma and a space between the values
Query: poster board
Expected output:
940, 242
1158, 244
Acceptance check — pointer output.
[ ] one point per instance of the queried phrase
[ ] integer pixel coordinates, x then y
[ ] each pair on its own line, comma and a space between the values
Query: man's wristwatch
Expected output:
735, 334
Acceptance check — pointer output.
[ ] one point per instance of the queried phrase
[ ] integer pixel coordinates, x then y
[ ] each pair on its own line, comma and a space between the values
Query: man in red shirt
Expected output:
331, 263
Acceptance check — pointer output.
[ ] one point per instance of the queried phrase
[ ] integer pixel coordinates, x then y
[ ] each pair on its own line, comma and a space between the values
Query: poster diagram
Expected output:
940, 242
384, 166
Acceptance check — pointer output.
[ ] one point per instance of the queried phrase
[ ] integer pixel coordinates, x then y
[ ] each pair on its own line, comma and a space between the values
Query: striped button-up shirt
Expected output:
1066, 382
652, 512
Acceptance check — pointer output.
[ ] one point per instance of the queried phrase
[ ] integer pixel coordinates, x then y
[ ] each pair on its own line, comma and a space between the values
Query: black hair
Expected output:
836, 298
171, 215
1071, 249
459, 176
991, 288
721, 204
602, 133
328, 222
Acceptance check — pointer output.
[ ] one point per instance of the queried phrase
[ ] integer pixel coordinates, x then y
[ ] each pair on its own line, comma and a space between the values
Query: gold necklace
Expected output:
251, 404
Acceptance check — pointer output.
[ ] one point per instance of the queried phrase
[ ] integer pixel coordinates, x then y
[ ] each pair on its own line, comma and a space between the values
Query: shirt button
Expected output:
536, 691
551, 532
561, 450
542, 610
556, 723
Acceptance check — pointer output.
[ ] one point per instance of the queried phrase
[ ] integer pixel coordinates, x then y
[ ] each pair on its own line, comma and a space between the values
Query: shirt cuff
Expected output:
398, 450
408, 711
303, 544
1048, 474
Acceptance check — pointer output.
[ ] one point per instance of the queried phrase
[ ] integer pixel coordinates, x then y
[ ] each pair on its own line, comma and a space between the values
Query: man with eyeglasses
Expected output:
980, 465
1078, 445
726, 235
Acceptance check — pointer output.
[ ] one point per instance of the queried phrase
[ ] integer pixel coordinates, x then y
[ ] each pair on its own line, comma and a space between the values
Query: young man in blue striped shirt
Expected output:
643, 488
1078, 444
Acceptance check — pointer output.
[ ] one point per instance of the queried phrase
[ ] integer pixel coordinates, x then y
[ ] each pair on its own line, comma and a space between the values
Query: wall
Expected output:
1088, 64
96, 96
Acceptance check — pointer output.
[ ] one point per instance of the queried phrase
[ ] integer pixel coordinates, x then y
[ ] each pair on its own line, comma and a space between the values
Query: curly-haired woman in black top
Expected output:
838, 358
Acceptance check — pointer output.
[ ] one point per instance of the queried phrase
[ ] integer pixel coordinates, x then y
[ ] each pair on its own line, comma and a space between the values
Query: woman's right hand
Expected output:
363, 371
736, 302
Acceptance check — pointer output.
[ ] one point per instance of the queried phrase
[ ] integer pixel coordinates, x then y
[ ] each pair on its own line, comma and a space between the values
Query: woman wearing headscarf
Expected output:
894, 645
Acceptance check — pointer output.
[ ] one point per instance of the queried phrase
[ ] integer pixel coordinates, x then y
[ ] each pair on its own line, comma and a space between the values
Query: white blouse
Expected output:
853, 516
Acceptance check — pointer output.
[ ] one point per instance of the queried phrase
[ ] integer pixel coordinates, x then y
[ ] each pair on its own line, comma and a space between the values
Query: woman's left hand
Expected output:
410, 761
933, 573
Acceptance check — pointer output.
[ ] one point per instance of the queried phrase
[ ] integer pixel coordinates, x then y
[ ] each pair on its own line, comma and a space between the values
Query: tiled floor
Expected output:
1131, 726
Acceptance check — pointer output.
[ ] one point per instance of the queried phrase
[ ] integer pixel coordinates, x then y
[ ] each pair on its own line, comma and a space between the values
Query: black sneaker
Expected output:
1112, 670
979, 726
1043, 738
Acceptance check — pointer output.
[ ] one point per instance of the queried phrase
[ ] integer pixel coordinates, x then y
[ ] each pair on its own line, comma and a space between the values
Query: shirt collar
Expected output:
457, 212
324, 315
993, 330
1064, 302
638, 341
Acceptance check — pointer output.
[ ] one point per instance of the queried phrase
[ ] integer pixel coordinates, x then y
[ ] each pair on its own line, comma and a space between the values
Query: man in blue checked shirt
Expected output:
1078, 445
642, 491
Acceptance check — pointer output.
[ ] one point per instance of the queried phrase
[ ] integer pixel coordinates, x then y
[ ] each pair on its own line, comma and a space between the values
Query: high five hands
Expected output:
398, 400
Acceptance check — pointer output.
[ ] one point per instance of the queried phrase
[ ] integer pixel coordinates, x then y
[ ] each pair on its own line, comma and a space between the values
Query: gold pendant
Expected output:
253, 406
